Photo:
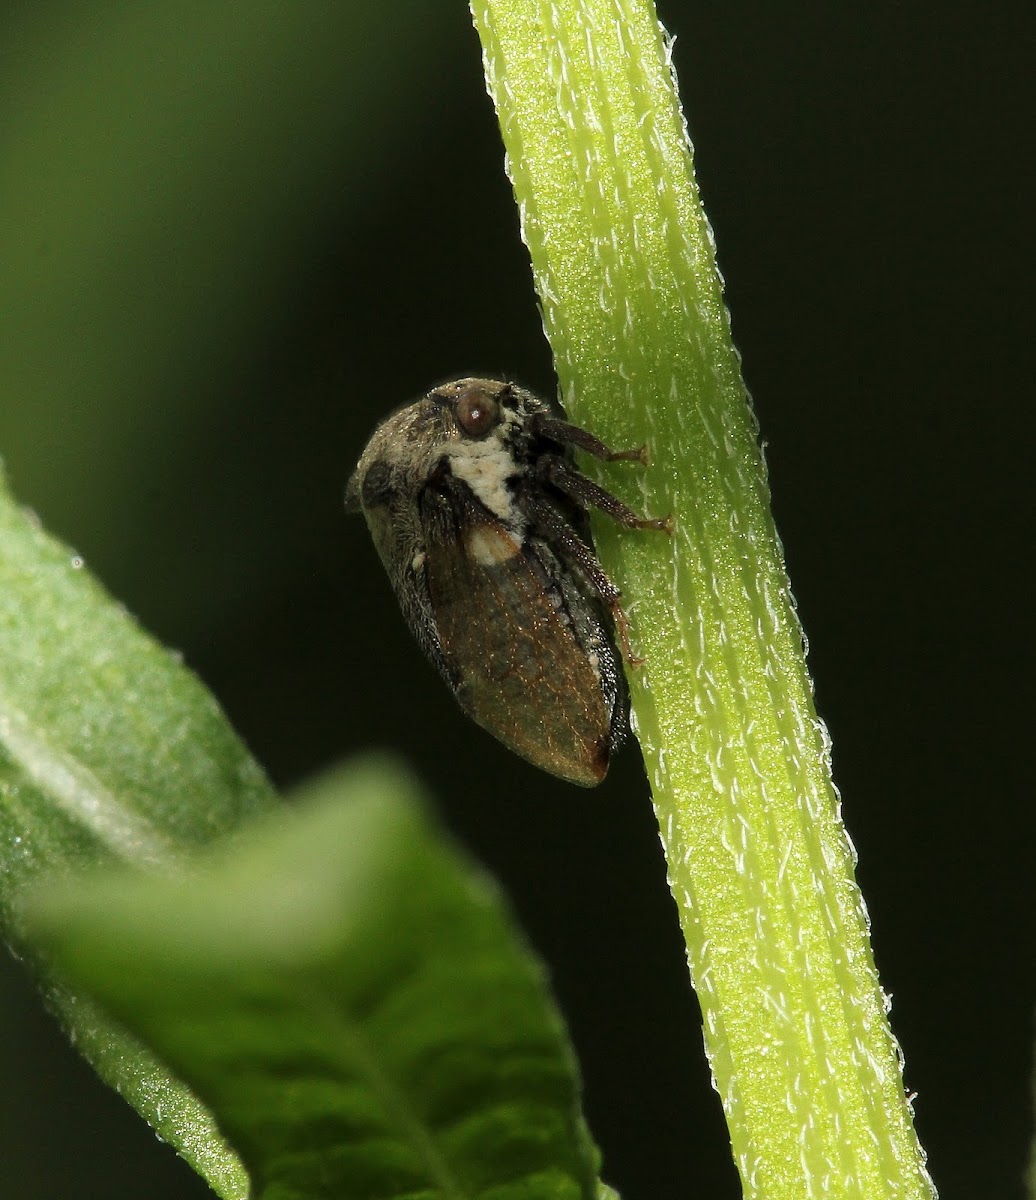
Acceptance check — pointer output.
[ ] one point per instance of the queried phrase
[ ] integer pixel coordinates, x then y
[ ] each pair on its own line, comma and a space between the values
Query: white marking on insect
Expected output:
486, 467
491, 547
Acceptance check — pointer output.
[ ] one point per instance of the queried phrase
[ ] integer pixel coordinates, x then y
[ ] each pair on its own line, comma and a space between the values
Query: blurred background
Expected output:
233, 236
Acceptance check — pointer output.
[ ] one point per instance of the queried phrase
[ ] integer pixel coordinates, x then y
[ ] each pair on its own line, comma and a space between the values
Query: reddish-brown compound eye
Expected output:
477, 413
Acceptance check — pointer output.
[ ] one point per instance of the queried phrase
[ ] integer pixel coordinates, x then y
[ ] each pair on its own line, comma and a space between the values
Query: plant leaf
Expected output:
110, 751
350, 999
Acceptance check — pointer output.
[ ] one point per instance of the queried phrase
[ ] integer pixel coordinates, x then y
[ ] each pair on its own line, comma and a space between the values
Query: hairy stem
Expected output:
759, 862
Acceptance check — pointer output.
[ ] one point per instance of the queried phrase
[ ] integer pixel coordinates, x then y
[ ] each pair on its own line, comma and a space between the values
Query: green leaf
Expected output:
110, 751
760, 864
349, 997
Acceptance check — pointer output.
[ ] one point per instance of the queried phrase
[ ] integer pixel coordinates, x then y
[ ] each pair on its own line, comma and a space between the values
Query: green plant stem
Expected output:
759, 862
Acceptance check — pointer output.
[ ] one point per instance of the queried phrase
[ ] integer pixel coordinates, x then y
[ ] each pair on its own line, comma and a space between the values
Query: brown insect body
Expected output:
479, 515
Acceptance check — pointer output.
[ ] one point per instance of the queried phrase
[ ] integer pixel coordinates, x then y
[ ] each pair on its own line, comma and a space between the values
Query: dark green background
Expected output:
233, 236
